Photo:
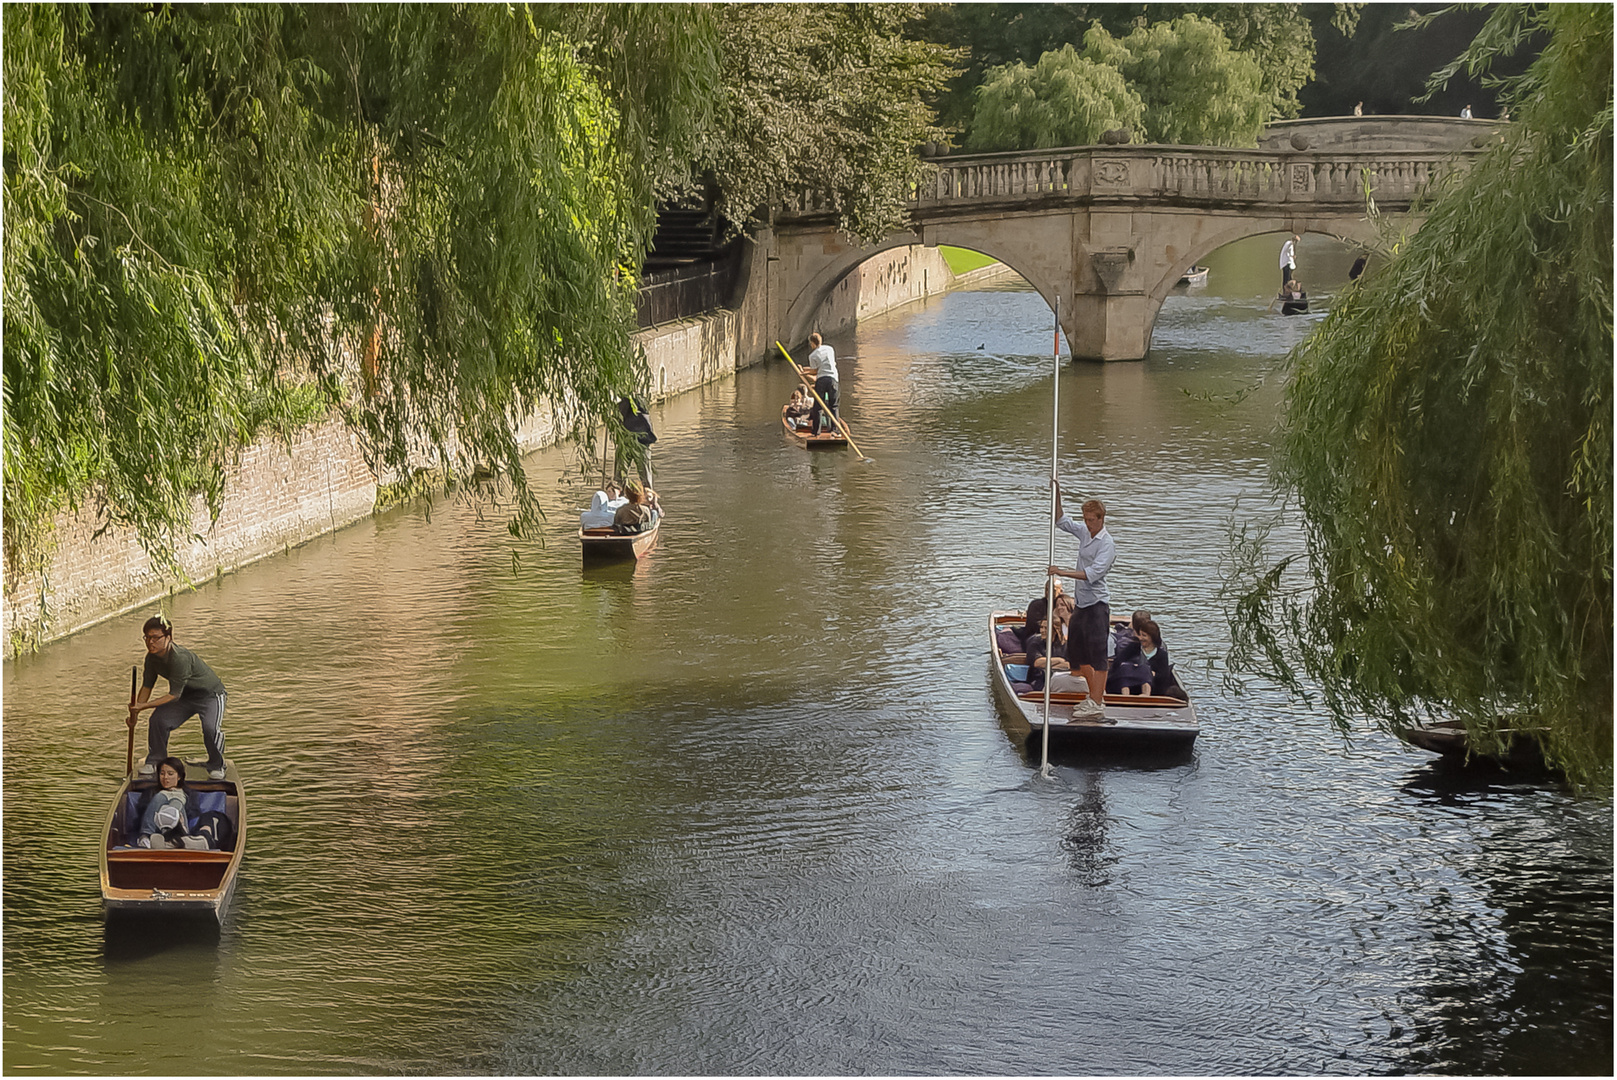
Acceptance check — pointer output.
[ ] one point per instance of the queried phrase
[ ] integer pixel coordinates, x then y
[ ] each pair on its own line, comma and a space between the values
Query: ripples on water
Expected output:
747, 807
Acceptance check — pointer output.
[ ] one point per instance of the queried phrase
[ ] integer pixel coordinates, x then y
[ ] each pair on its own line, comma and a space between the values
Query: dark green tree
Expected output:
1447, 441
831, 98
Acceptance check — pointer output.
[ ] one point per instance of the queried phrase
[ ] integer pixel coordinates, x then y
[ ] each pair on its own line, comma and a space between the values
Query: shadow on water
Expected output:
129, 938
1451, 779
1133, 759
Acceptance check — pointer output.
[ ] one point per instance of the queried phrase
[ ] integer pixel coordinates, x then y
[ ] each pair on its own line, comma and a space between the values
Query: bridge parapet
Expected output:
1169, 175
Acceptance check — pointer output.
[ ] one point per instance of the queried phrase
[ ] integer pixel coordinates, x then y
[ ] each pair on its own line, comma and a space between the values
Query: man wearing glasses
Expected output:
193, 690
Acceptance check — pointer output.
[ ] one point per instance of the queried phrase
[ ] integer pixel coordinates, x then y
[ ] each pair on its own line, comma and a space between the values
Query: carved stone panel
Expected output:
1299, 178
1112, 172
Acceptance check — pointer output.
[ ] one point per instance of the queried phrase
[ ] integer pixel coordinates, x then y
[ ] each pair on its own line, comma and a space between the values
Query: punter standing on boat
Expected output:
1091, 618
193, 690
632, 411
1288, 260
823, 359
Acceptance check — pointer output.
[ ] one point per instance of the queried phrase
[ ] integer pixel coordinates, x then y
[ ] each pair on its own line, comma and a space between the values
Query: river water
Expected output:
748, 807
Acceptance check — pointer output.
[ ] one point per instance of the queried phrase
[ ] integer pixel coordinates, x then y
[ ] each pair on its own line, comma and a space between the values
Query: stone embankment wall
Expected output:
281, 494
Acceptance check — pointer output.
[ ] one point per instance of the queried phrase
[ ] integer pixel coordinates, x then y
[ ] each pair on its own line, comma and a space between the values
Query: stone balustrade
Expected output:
1168, 175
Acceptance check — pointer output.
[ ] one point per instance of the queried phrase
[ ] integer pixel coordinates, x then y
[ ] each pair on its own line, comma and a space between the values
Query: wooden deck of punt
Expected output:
1132, 721
830, 440
604, 545
167, 881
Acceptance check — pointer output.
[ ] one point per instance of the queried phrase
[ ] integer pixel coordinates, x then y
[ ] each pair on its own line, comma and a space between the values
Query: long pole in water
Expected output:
129, 756
1050, 580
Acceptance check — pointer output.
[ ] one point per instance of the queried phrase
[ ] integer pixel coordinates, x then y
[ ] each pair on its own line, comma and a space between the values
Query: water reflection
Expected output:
749, 807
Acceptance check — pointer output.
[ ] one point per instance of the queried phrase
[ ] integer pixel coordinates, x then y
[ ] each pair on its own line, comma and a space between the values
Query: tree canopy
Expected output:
1447, 440
1169, 82
1063, 100
831, 98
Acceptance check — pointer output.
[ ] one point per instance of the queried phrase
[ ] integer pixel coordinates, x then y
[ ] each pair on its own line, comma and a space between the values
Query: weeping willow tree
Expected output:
1447, 440
223, 217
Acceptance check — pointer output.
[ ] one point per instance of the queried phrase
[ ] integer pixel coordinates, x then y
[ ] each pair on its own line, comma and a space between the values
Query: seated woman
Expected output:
1295, 300
603, 505
798, 408
1036, 645
1035, 614
164, 820
1129, 671
639, 514
1163, 681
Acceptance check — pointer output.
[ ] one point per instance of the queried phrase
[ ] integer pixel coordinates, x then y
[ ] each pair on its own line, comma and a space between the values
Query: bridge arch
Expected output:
801, 307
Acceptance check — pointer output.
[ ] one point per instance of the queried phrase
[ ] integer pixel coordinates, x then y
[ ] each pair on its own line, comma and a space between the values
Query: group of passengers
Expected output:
627, 511
1137, 658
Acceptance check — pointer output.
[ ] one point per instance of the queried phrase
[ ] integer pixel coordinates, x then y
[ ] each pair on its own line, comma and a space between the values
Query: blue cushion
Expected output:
1017, 672
204, 801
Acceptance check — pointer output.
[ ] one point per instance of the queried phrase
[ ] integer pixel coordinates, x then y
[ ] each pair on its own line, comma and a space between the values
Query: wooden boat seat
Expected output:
166, 868
601, 530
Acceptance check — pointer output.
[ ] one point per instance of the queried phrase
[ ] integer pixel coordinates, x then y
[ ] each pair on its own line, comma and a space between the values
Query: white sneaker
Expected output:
216, 774
146, 769
1088, 709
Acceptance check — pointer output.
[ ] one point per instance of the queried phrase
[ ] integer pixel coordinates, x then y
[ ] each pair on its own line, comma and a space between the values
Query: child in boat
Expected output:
797, 409
166, 811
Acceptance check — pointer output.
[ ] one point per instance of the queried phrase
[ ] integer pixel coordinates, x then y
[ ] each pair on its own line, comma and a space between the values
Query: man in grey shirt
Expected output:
193, 690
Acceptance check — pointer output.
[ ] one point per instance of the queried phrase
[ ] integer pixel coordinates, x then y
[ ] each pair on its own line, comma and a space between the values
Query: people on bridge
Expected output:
823, 359
1358, 109
1465, 113
640, 514
1163, 681
193, 690
637, 452
1089, 626
1288, 260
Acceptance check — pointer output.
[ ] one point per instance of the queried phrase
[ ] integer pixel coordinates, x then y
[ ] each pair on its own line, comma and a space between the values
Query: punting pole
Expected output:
129, 756
1050, 580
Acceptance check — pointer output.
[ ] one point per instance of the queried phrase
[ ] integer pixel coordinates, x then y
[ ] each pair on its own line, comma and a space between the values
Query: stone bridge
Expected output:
1109, 230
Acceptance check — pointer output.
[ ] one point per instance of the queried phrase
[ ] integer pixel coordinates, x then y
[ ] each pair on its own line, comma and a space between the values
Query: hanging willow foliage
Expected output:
215, 214
1448, 441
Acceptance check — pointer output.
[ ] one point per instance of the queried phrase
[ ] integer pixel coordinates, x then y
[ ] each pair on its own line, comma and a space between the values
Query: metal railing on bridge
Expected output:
685, 291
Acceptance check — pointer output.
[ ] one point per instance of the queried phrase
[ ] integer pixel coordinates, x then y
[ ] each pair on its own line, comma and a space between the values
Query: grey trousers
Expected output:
165, 718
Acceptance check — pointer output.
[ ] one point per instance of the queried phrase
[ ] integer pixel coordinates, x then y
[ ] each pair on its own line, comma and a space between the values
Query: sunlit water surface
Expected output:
748, 807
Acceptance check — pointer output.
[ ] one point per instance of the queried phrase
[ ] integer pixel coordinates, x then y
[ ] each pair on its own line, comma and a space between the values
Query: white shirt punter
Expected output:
1095, 557
1288, 255
824, 361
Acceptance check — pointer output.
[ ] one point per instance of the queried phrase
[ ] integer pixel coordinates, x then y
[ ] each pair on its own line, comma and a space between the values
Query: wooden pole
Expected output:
835, 419
129, 757
1050, 581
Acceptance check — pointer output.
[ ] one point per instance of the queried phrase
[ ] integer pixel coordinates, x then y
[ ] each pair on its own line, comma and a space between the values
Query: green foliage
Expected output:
1280, 39
1063, 100
827, 97
1194, 87
214, 211
1448, 441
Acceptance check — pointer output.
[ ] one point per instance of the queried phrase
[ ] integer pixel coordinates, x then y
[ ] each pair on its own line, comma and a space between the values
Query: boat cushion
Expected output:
1007, 640
1017, 672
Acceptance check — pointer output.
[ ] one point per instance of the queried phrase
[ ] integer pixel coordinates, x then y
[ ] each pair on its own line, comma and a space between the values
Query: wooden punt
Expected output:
167, 881
1132, 722
604, 545
1448, 737
826, 440
1196, 275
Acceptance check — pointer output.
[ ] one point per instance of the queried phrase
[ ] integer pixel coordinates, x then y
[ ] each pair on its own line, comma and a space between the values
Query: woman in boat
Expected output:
1035, 615
166, 811
797, 409
1163, 681
639, 514
603, 505
1036, 645
1294, 300
1130, 672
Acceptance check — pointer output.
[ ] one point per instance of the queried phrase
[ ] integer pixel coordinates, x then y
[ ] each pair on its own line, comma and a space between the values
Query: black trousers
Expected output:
826, 387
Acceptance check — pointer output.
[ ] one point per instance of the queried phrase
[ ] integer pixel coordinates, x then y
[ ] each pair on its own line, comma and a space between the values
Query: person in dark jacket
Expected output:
1163, 681
1036, 644
1130, 671
1035, 615
632, 411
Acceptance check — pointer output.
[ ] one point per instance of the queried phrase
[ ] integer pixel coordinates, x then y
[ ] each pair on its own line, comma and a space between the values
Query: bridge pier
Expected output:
1102, 327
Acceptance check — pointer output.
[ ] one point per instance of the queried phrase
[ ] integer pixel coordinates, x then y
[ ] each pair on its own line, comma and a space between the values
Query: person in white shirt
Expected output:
1465, 113
823, 359
603, 506
1288, 260
1090, 624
